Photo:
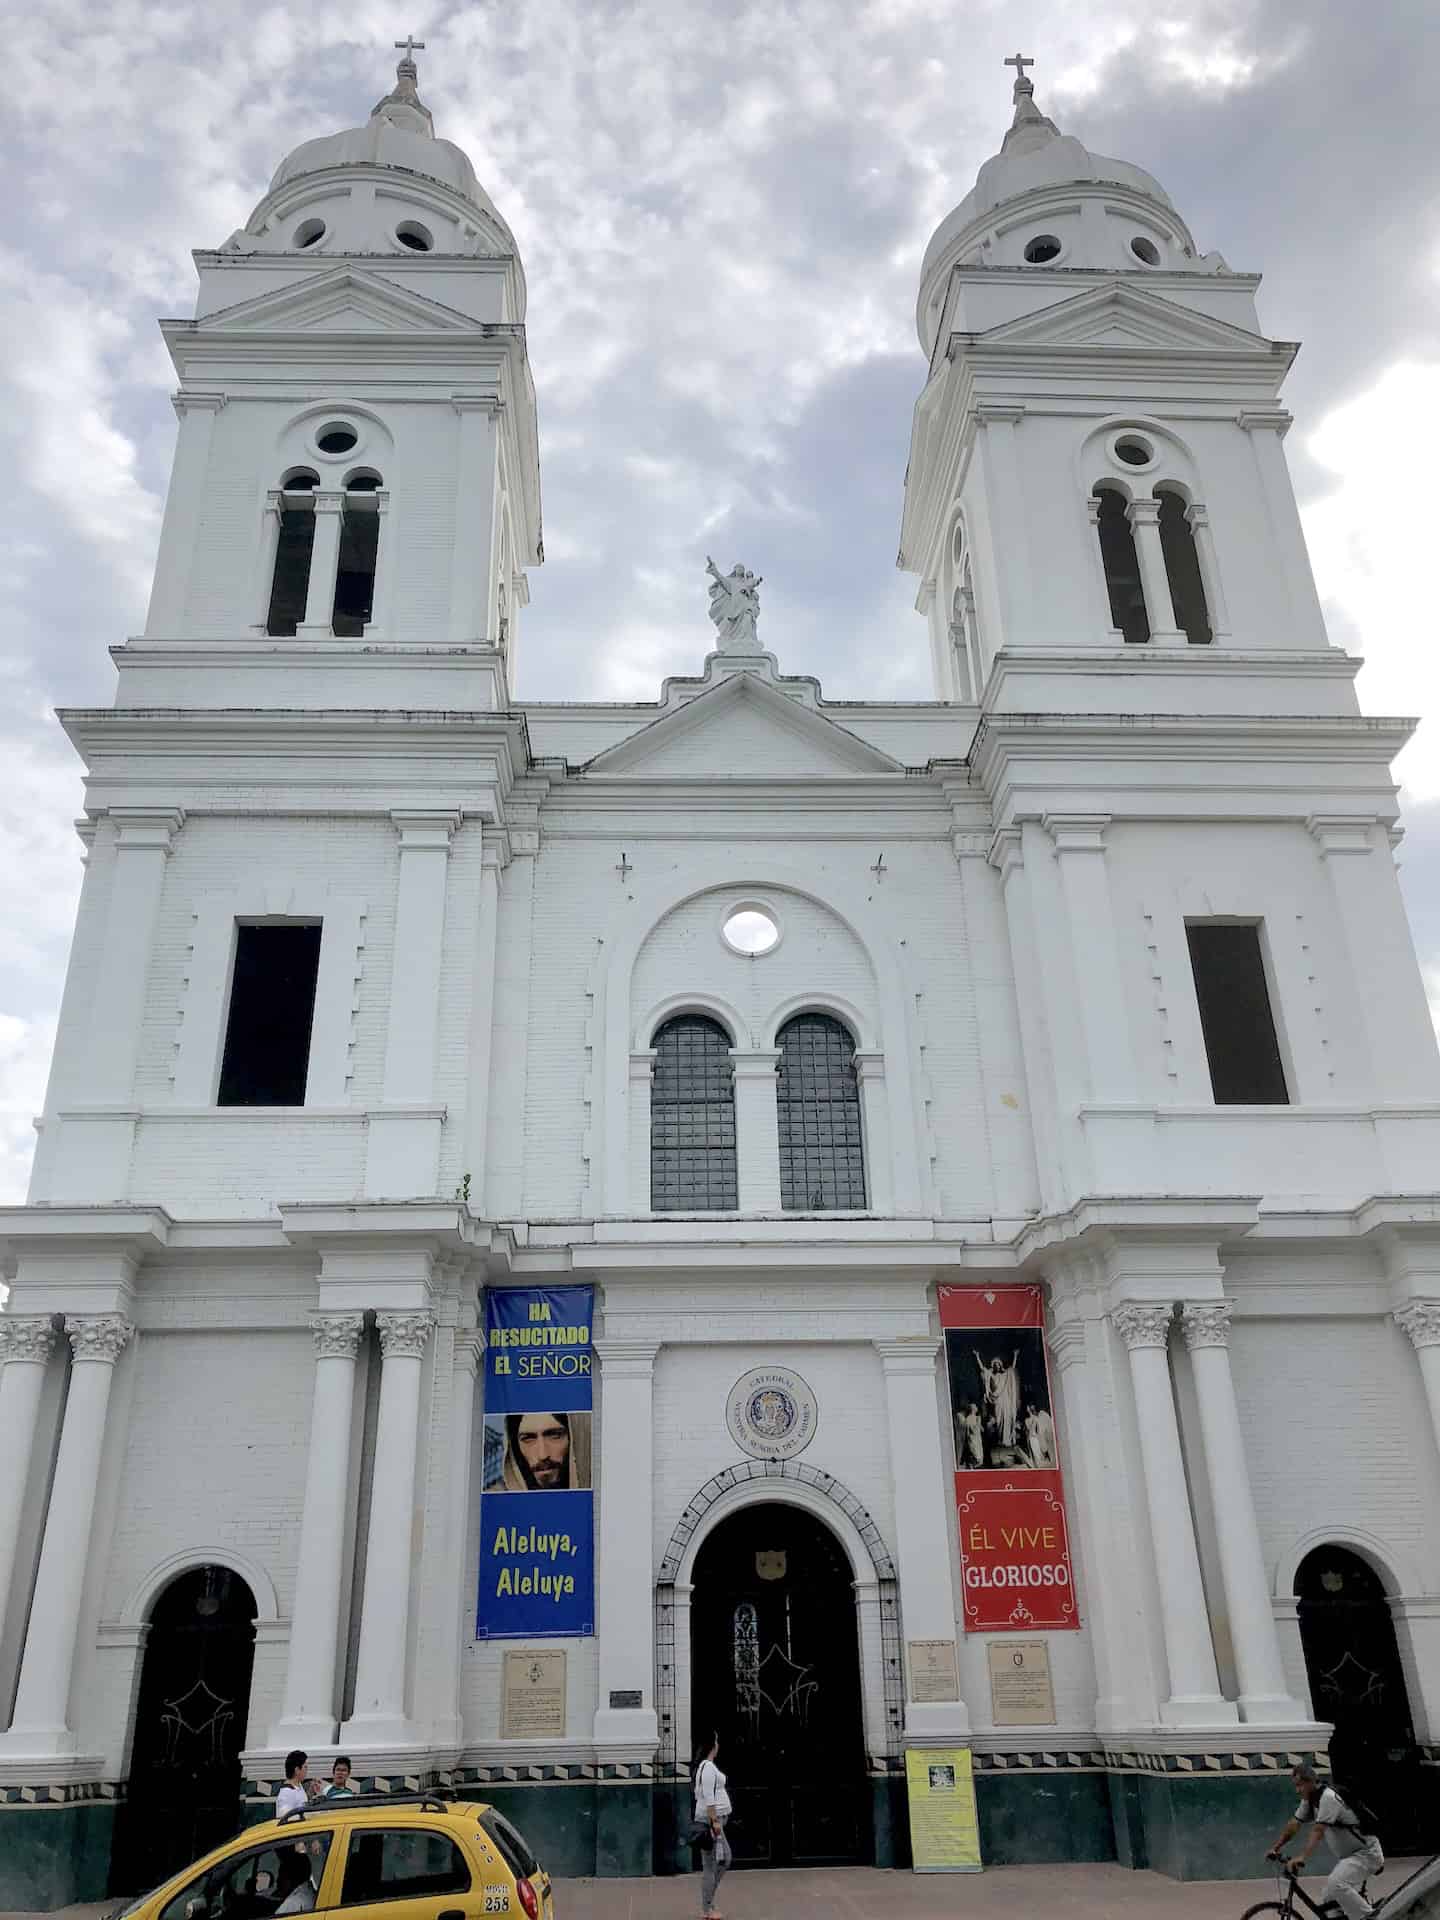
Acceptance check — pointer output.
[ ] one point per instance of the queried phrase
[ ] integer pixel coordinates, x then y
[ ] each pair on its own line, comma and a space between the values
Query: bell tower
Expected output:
356, 484
1096, 473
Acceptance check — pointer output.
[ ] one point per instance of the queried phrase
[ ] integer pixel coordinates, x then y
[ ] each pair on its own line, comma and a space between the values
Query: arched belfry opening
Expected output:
191, 1715
1357, 1681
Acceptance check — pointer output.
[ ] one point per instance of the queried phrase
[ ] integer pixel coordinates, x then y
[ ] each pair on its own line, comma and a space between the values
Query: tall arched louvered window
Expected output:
1121, 564
359, 548
822, 1157
295, 542
692, 1119
1182, 568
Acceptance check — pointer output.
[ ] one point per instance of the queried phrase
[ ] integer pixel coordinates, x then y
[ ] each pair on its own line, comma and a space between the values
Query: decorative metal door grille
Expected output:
692, 1119
822, 1157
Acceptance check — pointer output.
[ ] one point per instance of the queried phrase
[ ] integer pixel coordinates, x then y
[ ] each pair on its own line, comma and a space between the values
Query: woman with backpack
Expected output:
712, 1810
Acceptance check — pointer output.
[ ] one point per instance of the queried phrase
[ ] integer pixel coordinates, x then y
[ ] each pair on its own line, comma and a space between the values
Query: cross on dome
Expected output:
1017, 60
409, 47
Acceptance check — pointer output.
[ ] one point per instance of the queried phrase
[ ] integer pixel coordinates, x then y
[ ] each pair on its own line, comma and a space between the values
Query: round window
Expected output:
1134, 451
309, 232
750, 930
1145, 250
1042, 248
411, 234
337, 436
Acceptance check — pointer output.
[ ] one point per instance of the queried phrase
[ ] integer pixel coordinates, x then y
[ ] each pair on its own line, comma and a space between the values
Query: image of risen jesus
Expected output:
1001, 1386
544, 1452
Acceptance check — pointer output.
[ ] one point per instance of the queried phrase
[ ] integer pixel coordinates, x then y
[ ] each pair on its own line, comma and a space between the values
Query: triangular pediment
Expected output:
342, 301
1123, 316
743, 729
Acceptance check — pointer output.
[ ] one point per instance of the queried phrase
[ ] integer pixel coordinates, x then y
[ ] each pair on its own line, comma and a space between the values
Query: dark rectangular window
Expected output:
355, 572
272, 1003
1235, 1016
291, 585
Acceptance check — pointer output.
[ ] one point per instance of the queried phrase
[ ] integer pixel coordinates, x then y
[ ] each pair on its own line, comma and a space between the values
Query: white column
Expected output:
637, 1121
1419, 1321
189, 490
757, 1128
482, 1021
924, 1520
403, 1147
624, 1578
26, 1343
1195, 1698
1199, 518
265, 562
474, 558
1044, 1080
459, 1587
1009, 522
1104, 1016
319, 621
1264, 1697
380, 1718
1144, 517
144, 837
875, 1130
1386, 981
41, 1726
308, 1715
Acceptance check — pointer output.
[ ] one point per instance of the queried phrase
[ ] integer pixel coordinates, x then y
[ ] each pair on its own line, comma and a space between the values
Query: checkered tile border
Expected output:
73, 1793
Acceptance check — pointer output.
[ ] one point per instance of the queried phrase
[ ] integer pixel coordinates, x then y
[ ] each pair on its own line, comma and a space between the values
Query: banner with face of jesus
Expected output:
1009, 1497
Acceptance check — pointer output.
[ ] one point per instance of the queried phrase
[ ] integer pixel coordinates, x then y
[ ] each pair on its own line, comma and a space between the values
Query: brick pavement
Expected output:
865, 1893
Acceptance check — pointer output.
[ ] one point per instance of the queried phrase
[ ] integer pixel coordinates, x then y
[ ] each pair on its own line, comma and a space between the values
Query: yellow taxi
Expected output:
400, 1856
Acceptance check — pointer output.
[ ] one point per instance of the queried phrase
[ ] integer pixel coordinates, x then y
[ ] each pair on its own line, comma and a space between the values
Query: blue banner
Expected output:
537, 1531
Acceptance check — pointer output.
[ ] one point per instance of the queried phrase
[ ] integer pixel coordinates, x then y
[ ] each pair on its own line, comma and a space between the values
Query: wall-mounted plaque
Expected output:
532, 1702
1021, 1691
933, 1674
626, 1697
771, 1413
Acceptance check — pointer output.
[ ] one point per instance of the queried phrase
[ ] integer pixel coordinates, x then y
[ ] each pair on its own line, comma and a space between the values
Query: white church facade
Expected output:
792, 1044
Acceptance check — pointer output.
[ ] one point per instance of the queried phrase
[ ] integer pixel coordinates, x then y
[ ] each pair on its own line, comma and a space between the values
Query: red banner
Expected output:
1009, 1498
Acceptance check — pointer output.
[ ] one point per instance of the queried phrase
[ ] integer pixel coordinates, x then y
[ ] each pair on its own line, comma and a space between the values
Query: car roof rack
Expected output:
432, 1800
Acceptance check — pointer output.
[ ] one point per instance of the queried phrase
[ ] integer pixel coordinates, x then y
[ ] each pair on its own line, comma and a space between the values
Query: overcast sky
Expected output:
721, 210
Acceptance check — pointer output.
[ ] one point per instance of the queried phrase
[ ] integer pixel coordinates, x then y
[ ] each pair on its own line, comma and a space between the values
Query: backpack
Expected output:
1362, 1821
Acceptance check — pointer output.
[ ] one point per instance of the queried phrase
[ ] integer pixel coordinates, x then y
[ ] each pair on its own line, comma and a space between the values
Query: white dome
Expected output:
1035, 160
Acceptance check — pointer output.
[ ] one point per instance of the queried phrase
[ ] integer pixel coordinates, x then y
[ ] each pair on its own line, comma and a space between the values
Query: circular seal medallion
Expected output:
771, 1413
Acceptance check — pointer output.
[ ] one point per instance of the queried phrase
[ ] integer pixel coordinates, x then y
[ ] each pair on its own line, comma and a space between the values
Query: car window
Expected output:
280, 1877
512, 1845
402, 1863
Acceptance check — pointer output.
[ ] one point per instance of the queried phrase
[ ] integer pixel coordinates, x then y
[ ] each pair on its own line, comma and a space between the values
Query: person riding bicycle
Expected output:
1356, 1851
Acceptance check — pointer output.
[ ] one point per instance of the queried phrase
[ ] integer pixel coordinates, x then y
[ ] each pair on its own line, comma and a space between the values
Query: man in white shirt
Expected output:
1356, 1852
294, 1793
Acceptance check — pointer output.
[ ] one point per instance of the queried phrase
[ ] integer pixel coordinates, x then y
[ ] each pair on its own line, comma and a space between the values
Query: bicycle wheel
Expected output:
1266, 1906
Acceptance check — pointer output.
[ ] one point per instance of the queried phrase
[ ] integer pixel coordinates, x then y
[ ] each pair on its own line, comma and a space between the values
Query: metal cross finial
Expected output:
1019, 61
409, 45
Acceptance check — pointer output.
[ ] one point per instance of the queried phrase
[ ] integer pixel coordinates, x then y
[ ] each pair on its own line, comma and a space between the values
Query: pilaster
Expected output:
27, 1341
624, 1576
1199, 521
757, 1128
1144, 518
1079, 841
318, 623
184, 503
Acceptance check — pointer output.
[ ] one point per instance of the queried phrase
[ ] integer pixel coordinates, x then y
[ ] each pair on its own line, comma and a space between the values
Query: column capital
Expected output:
1420, 1322
1197, 515
1206, 1324
184, 402
404, 1336
98, 1336
1007, 851
994, 413
1142, 1324
336, 1335
478, 403
754, 1063
642, 1064
26, 1336
430, 830
469, 1345
869, 1064
1065, 1339
1264, 420
911, 1353
1077, 832
146, 827
625, 1358
1143, 513
1341, 833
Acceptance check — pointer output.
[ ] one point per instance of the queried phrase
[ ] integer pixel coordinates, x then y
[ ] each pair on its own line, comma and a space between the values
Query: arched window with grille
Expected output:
1182, 568
1121, 563
822, 1156
692, 1119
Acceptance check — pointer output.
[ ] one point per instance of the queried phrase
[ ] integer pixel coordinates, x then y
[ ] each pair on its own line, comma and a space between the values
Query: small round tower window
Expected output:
1134, 451
750, 930
336, 436
1145, 250
411, 234
1042, 248
309, 233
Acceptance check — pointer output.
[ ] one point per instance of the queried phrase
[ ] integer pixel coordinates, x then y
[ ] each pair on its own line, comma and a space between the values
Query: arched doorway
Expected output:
1356, 1680
183, 1795
775, 1669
